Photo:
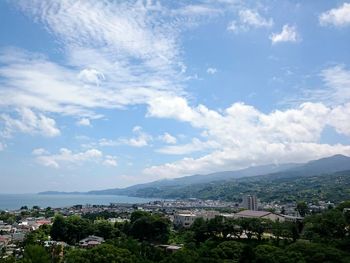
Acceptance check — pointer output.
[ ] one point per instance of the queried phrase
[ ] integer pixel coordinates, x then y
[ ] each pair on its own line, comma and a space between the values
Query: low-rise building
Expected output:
91, 241
186, 219
260, 214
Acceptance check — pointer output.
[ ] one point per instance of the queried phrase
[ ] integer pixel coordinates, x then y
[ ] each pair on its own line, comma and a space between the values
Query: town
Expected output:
16, 226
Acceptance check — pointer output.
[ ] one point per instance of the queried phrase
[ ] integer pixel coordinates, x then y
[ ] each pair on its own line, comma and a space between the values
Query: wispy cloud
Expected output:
141, 138
196, 145
83, 122
2, 146
211, 71
27, 121
67, 157
116, 54
248, 19
334, 91
288, 34
338, 17
168, 138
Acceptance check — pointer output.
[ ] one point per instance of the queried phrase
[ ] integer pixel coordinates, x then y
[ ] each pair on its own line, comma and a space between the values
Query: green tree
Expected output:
302, 208
229, 250
77, 256
109, 254
35, 254
151, 228
104, 229
316, 253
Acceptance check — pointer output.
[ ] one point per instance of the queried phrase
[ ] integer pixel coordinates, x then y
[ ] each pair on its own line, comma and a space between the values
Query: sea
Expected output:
16, 201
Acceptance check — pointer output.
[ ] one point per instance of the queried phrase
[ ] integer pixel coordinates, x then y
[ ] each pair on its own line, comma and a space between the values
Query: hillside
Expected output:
268, 182
163, 188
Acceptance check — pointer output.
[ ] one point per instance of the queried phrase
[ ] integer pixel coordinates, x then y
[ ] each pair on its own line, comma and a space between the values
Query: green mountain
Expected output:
269, 182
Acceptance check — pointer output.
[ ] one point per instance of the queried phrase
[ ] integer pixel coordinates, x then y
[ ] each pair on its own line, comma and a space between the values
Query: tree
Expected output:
200, 229
38, 236
59, 228
108, 254
326, 227
183, 256
229, 250
151, 228
35, 254
316, 253
104, 229
302, 208
77, 256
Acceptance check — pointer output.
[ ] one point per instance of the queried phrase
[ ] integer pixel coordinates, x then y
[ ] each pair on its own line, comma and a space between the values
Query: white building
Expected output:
186, 219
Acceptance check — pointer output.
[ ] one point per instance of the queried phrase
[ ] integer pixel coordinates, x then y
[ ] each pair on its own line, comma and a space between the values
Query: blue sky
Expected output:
104, 94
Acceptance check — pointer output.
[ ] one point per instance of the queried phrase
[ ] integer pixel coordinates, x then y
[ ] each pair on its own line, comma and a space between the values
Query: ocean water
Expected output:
15, 201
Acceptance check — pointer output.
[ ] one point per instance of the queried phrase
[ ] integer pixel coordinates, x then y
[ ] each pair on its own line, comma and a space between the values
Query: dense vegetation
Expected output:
323, 237
334, 187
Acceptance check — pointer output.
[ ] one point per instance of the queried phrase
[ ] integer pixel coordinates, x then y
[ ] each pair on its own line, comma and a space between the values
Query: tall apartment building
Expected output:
250, 202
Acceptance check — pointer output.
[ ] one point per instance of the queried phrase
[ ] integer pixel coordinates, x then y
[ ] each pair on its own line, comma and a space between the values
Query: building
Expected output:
260, 214
91, 241
250, 202
186, 219
170, 248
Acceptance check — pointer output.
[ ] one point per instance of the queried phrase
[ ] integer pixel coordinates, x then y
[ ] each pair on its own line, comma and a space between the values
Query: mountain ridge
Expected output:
329, 164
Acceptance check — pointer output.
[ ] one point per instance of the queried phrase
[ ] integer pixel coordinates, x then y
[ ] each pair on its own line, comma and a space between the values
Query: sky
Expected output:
106, 94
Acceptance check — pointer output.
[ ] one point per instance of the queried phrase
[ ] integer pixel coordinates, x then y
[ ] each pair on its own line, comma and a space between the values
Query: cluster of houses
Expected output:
11, 235
186, 218
182, 213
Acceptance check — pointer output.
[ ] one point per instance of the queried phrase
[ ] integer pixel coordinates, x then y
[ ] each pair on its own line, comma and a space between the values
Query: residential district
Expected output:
181, 213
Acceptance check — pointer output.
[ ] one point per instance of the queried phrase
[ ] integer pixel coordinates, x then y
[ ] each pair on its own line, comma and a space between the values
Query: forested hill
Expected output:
327, 178
334, 187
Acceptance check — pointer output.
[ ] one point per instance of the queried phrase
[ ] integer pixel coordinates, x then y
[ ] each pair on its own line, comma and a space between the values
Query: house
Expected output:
91, 241
260, 214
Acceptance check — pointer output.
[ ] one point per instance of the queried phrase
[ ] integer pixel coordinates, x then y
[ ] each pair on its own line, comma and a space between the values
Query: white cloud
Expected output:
28, 121
198, 10
212, 71
91, 76
253, 18
248, 19
67, 157
340, 119
338, 17
141, 138
195, 146
242, 136
39, 151
168, 138
288, 34
84, 122
110, 161
116, 54
336, 89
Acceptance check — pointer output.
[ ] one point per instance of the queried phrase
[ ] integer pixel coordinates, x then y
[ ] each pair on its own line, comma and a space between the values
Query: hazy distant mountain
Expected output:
326, 165
199, 179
